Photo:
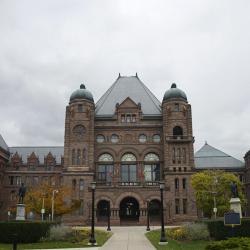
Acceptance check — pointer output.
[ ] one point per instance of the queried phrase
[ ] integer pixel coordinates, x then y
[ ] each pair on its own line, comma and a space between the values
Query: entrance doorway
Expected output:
129, 210
102, 210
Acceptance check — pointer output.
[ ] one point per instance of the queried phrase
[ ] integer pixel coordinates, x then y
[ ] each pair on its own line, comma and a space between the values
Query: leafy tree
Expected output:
215, 183
42, 194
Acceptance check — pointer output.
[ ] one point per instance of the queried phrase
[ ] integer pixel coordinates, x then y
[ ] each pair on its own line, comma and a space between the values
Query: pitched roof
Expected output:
40, 152
128, 86
3, 144
209, 157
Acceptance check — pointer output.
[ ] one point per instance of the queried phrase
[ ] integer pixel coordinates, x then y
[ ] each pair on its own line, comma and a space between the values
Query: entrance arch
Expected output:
155, 210
129, 209
102, 210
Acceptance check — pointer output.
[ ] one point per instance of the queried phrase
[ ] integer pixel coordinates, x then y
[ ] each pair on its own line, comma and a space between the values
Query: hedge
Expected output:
23, 232
218, 231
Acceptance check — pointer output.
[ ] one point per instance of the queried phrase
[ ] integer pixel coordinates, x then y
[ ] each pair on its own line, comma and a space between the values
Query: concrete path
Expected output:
128, 238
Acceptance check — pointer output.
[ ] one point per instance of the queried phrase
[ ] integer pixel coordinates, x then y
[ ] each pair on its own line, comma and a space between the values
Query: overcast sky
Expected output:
48, 48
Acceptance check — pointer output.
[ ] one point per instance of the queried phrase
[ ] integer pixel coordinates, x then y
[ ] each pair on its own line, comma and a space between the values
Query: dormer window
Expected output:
123, 118
128, 118
133, 118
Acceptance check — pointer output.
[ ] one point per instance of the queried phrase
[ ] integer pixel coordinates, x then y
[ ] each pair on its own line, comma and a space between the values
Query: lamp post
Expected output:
108, 229
148, 228
163, 239
55, 191
92, 240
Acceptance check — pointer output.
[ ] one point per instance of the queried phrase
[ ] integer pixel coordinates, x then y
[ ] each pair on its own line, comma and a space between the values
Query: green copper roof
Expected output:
81, 93
174, 92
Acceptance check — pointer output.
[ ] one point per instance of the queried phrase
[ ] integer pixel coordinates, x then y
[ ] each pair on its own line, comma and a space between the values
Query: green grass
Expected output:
154, 238
101, 238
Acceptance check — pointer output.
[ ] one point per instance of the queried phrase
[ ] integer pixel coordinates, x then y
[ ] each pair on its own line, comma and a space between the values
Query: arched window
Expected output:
105, 168
128, 157
151, 167
105, 157
78, 157
73, 157
177, 131
128, 168
151, 157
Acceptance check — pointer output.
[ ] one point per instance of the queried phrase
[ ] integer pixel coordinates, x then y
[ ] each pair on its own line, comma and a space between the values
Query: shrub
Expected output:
23, 231
191, 231
232, 243
59, 232
218, 231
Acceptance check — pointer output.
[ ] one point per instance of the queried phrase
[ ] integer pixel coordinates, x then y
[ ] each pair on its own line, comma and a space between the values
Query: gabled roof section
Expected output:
40, 152
132, 87
3, 144
209, 157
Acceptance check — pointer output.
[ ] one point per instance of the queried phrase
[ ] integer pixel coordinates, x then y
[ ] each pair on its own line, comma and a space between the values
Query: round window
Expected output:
100, 138
156, 138
114, 138
142, 138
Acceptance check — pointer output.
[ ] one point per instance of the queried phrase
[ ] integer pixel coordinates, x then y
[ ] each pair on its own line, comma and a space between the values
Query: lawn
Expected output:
101, 238
154, 237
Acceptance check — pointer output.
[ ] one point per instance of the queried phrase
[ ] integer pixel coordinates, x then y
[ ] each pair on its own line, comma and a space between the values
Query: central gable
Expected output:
128, 103
128, 87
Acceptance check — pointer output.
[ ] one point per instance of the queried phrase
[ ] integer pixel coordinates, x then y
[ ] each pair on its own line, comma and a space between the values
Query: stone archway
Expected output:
129, 210
102, 210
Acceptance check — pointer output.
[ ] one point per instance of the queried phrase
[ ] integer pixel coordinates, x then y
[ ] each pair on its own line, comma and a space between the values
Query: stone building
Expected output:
126, 142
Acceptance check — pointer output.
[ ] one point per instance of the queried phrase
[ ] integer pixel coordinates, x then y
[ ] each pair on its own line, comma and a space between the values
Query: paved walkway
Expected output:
128, 238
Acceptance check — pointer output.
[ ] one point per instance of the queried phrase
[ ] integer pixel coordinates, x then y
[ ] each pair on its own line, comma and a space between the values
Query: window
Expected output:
133, 118
105, 173
18, 180
78, 157
31, 167
176, 183
100, 138
174, 169
185, 169
179, 169
177, 132
156, 138
176, 107
28, 180
11, 180
13, 195
35, 180
114, 138
52, 180
60, 181
123, 118
173, 156
184, 206
178, 155
128, 118
80, 108
45, 179
81, 208
73, 157
142, 138
105, 168
128, 157
81, 184
151, 167
105, 157
177, 206
184, 155
128, 173
184, 182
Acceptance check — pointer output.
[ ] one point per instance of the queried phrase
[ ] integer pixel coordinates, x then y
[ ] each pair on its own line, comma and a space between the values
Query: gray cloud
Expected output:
49, 47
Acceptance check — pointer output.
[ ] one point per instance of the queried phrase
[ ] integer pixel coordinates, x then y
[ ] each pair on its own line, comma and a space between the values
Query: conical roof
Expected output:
132, 87
209, 157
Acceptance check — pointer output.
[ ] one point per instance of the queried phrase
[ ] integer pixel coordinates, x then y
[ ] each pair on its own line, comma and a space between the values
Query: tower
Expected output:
178, 152
79, 131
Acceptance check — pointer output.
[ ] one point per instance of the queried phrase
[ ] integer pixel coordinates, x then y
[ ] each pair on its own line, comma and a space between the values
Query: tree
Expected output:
42, 194
214, 186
